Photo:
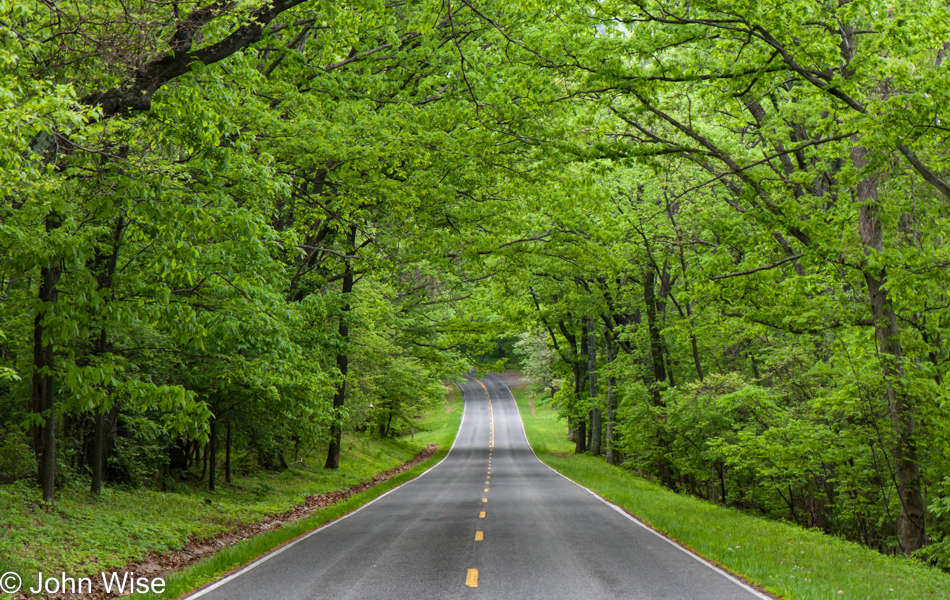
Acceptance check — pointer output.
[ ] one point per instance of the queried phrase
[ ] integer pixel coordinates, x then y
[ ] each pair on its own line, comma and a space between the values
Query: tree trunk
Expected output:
194, 452
49, 455
694, 346
910, 524
580, 424
99, 431
656, 342
227, 456
577, 425
659, 370
613, 456
212, 454
98, 445
692, 340
596, 427
105, 266
342, 363
44, 436
721, 471
204, 461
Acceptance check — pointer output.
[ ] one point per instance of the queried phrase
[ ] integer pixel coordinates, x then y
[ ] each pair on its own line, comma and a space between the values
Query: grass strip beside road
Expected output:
786, 560
234, 557
438, 427
87, 535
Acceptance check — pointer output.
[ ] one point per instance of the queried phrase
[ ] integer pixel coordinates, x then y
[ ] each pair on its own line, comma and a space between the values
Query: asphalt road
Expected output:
489, 522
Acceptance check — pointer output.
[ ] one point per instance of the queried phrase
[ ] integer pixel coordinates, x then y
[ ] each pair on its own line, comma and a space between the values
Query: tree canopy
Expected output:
716, 227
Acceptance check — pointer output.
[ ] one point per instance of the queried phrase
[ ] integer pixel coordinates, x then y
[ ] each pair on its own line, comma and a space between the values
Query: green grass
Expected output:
788, 561
85, 536
439, 425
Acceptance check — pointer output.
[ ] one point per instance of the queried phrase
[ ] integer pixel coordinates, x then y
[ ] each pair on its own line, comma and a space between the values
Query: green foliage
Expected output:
537, 360
193, 244
721, 224
788, 561
749, 201
14, 457
87, 535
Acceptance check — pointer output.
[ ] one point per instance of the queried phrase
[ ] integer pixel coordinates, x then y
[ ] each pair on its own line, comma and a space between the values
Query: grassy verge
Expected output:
790, 562
85, 536
439, 425
234, 557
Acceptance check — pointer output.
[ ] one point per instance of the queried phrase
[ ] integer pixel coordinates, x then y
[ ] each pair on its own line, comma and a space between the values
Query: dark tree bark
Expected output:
136, 95
577, 424
695, 348
342, 361
44, 436
613, 455
596, 427
204, 461
571, 430
227, 456
721, 472
656, 342
659, 369
105, 266
580, 424
179, 454
98, 447
910, 523
212, 454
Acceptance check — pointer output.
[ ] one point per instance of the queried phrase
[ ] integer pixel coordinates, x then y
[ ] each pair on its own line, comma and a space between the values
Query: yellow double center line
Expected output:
471, 580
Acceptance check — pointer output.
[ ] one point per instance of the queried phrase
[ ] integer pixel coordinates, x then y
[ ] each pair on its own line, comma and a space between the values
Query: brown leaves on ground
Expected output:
164, 564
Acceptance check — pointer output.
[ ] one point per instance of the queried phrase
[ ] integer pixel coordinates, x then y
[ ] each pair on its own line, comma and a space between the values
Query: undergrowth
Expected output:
86, 535
782, 558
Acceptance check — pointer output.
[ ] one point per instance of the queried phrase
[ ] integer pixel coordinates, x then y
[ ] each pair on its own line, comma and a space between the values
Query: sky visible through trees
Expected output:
714, 229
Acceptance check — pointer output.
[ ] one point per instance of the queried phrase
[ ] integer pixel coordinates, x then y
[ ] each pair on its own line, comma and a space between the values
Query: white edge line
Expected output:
211, 587
620, 510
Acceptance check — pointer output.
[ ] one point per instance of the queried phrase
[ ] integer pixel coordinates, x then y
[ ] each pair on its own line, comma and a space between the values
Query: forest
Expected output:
711, 232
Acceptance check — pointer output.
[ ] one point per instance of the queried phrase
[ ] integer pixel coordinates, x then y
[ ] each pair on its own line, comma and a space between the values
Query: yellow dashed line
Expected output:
479, 536
471, 580
491, 417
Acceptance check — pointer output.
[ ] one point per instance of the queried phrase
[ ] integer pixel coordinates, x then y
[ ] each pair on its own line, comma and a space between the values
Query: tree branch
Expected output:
137, 94
757, 269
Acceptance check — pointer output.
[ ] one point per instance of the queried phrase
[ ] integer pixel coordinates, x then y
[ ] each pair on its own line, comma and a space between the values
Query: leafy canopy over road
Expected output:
717, 226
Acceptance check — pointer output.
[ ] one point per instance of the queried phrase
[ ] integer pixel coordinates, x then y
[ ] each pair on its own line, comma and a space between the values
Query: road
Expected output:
490, 521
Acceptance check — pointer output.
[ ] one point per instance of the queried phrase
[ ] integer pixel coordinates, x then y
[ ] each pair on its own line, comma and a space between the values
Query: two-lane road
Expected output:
490, 522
